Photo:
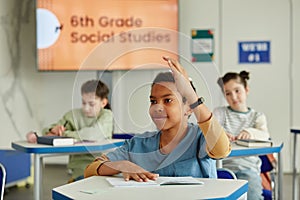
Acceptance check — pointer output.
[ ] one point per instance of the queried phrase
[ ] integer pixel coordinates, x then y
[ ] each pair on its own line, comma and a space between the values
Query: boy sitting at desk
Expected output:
93, 121
177, 148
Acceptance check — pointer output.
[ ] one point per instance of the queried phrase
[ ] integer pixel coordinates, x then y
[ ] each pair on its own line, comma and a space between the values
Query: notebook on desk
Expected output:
254, 143
186, 180
55, 140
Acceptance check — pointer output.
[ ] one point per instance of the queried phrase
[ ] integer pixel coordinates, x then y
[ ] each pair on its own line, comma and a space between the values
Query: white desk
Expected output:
39, 151
238, 151
211, 189
295, 131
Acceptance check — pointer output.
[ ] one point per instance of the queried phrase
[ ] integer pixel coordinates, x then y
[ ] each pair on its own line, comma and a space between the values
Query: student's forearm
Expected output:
218, 144
101, 168
93, 168
111, 168
202, 113
107, 168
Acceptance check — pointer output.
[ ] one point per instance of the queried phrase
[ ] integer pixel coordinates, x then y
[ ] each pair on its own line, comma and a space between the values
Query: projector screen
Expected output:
105, 34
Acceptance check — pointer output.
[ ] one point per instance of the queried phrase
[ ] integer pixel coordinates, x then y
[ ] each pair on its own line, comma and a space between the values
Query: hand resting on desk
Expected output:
57, 130
129, 170
31, 137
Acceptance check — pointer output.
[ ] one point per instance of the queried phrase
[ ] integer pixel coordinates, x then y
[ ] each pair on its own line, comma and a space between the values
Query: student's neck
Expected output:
170, 138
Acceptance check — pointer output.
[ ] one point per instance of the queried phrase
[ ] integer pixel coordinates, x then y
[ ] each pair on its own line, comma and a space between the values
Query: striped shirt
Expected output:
234, 122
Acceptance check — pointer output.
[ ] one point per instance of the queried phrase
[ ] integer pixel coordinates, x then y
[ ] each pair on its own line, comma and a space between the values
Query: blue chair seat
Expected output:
225, 173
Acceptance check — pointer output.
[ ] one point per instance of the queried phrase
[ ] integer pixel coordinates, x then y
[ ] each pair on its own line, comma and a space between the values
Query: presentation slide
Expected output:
105, 34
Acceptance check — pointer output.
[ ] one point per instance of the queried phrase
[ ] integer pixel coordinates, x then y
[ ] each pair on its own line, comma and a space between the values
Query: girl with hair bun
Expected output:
242, 122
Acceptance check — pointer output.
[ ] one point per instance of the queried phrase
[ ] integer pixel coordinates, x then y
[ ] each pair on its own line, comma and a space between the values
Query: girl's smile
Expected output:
166, 109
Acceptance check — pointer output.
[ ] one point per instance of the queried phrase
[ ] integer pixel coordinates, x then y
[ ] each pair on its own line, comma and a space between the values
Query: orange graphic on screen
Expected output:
105, 35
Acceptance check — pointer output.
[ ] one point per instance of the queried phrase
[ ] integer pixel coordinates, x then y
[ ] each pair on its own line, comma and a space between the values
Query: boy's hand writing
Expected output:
57, 130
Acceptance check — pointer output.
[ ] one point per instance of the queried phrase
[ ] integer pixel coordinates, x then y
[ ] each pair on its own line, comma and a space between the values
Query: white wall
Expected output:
236, 20
30, 100
295, 63
268, 82
295, 71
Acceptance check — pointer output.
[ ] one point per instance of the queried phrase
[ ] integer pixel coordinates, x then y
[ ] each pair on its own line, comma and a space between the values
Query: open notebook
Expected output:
186, 180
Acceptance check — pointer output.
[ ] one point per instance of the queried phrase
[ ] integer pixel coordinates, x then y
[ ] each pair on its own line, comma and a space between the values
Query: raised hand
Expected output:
182, 80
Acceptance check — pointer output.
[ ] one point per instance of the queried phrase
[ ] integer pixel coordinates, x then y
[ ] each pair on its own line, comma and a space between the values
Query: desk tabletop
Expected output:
238, 150
76, 148
295, 130
97, 187
112, 143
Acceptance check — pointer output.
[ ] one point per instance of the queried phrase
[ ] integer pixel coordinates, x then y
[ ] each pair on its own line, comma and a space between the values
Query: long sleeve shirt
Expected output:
234, 122
191, 157
81, 127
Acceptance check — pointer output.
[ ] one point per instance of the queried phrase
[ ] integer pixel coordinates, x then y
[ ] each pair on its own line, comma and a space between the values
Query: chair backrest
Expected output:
225, 173
266, 164
3, 177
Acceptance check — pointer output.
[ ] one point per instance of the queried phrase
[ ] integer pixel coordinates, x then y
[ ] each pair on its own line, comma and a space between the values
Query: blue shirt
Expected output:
189, 158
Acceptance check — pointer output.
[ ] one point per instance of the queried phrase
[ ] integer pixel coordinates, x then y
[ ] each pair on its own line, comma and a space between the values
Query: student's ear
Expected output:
104, 102
247, 90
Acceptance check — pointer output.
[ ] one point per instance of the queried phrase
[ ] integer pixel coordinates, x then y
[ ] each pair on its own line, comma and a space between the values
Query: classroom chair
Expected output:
228, 174
268, 172
225, 173
3, 177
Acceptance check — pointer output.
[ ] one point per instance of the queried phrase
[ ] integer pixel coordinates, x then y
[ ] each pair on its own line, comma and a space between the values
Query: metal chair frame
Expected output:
3, 178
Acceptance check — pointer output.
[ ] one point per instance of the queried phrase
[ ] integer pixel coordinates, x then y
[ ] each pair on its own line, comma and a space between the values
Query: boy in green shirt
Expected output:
94, 121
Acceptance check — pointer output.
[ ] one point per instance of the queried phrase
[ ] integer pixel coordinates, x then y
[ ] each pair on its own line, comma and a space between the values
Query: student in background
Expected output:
177, 148
94, 121
242, 122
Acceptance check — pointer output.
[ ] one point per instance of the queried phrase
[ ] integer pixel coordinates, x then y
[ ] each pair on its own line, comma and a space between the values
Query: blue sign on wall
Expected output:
254, 52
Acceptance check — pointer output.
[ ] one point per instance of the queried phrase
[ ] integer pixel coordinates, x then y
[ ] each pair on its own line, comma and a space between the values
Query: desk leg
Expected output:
280, 177
219, 164
37, 176
294, 167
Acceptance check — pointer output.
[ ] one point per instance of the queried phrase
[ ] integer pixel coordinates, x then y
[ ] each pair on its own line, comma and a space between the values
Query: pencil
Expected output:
65, 124
36, 134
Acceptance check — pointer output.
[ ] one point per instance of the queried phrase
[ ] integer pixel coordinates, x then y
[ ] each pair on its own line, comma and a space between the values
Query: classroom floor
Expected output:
56, 175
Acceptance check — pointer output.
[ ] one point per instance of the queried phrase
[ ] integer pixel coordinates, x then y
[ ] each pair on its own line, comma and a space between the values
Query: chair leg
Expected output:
274, 179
